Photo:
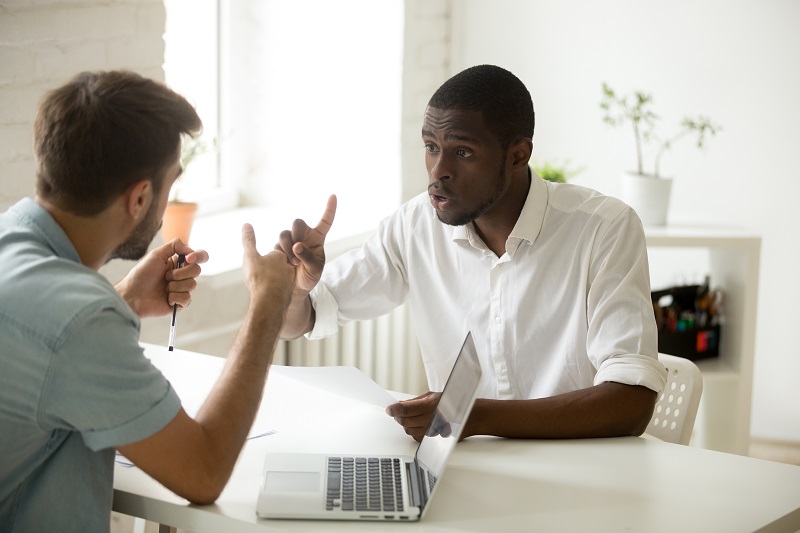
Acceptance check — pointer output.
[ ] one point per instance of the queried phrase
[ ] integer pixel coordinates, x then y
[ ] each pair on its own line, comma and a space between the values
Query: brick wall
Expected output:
426, 65
45, 42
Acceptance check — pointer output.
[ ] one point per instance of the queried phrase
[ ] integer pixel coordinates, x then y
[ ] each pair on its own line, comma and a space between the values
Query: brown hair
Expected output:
104, 131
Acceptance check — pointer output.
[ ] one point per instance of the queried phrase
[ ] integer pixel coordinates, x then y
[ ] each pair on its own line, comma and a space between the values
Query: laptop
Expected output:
394, 488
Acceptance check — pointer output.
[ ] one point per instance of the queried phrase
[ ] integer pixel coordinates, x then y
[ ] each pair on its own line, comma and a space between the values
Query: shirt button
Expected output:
497, 319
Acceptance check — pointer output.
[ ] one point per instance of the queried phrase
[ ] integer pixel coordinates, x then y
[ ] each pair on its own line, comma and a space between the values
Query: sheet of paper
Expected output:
329, 397
193, 377
347, 381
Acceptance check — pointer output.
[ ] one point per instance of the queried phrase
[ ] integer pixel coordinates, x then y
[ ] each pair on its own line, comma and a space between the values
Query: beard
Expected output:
138, 242
498, 184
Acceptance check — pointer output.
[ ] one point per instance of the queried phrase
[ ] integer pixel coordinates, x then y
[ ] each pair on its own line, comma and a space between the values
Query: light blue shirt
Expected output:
74, 383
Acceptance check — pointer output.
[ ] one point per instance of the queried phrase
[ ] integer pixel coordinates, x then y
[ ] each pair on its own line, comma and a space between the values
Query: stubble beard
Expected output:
138, 242
489, 202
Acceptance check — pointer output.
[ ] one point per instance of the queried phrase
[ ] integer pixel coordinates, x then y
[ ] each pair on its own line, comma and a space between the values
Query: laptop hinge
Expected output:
414, 479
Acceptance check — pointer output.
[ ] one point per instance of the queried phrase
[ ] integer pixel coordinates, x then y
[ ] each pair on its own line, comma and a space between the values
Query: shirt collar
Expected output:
46, 228
529, 223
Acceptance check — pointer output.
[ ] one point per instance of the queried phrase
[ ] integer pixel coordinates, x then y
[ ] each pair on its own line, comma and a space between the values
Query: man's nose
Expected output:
441, 169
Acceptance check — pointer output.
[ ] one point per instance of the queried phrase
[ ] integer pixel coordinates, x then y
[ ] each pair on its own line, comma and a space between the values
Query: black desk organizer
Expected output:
684, 329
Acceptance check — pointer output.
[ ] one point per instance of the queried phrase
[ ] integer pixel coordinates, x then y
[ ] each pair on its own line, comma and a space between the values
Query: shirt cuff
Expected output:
633, 369
326, 310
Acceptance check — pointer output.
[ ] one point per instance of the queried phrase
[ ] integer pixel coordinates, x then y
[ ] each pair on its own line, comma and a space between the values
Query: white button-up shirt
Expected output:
565, 307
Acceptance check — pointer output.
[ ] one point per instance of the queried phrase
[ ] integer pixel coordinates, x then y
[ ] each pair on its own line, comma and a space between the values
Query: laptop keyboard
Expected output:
364, 484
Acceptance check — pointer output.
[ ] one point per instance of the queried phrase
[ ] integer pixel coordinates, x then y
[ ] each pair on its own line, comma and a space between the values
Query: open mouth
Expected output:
439, 202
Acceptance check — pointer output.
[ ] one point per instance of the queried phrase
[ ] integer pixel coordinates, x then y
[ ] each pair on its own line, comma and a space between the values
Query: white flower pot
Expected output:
648, 196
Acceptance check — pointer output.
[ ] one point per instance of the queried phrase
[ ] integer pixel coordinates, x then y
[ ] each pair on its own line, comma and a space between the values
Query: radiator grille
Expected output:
386, 349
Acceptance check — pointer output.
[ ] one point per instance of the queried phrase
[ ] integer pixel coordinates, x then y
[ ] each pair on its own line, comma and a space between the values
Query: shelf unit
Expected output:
723, 420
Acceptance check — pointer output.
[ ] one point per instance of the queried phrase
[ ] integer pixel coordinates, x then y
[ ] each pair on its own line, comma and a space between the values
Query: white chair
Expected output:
676, 408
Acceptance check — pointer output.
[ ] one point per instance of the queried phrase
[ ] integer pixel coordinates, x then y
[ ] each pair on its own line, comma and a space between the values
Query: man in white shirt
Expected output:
552, 279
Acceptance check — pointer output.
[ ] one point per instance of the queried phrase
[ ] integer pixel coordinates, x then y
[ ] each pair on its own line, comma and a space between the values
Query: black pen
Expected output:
181, 258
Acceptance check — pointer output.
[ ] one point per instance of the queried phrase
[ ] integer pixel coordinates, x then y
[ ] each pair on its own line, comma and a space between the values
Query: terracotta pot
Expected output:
178, 220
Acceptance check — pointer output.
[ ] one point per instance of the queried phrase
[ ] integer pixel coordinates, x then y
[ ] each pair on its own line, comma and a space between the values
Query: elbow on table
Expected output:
205, 492
206, 484
638, 429
641, 419
204, 499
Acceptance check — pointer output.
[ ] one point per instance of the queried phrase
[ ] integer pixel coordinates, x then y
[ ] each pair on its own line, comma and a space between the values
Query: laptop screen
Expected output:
447, 423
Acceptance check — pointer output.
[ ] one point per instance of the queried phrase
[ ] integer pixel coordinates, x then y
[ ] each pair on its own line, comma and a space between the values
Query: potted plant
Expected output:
648, 193
180, 213
553, 172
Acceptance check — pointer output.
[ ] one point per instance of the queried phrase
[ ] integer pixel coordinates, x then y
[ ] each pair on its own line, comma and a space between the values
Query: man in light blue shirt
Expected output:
74, 382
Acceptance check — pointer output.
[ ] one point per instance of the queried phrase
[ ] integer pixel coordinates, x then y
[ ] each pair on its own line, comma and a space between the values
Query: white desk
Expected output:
624, 484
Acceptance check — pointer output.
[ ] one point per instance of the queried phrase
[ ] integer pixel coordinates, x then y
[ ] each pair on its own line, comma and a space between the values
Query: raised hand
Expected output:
269, 275
304, 247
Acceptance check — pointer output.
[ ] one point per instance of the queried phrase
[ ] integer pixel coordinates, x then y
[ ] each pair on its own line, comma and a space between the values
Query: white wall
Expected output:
737, 61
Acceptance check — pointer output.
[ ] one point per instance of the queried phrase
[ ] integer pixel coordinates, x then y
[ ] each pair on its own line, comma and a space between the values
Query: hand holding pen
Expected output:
154, 284
181, 259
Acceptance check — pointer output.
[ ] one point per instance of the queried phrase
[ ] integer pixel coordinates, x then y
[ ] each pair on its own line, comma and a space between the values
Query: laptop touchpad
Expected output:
292, 481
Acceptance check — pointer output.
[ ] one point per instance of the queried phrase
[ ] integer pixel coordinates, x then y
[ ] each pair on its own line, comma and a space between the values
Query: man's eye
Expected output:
430, 148
461, 152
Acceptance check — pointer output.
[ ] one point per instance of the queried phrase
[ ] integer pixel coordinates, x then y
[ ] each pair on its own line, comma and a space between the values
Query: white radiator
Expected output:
385, 349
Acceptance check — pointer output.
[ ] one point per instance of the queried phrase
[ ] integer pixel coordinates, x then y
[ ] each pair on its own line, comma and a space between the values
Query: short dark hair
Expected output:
502, 98
102, 132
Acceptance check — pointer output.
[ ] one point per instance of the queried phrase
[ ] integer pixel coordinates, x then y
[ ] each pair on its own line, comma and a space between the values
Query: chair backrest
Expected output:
676, 407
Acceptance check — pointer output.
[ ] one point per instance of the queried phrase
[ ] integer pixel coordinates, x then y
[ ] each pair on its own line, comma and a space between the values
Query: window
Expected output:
191, 67
304, 98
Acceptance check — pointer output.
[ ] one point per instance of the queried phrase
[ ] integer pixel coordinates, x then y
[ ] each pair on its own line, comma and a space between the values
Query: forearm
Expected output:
225, 418
228, 413
606, 410
300, 316
195, 457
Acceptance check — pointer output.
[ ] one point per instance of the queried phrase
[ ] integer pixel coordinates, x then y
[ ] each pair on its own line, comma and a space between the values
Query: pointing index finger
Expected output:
325, 223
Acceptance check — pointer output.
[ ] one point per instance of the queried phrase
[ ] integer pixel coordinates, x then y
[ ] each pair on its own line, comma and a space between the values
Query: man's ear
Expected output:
138, 199
520, 152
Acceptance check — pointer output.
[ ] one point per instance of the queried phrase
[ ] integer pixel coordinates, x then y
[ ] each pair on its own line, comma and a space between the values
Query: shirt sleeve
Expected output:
622, 336
326, 311
365, 283
101, 385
